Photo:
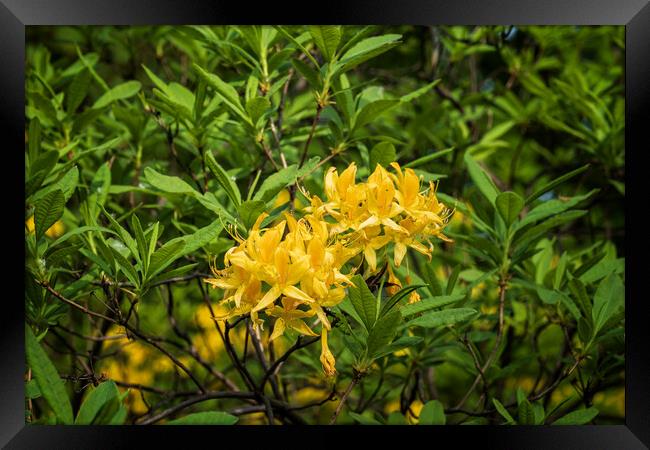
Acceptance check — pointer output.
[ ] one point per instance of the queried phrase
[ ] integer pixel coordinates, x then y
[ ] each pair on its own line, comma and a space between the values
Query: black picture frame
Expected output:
634, 14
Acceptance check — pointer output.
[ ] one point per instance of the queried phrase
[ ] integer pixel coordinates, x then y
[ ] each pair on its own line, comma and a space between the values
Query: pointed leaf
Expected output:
382, 332
48, 379
48, 211
364, 303
326, 38
432, 413
579, 417
226, 182
442, 318
383, 154
509, 205
119, 92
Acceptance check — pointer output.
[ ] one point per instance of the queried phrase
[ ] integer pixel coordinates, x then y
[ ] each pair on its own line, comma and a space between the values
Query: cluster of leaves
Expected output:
144, 145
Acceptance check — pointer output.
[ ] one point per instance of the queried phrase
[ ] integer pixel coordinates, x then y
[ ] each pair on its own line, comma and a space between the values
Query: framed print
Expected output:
402, 217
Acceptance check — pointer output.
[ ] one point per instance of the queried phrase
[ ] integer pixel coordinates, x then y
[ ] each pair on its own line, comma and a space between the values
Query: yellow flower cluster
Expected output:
300, 261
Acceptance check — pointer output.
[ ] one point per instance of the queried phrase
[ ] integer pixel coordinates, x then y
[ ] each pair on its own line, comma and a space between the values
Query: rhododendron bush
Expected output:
324, 225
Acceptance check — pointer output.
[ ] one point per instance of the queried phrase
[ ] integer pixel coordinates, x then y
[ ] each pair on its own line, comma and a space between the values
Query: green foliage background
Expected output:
135, 136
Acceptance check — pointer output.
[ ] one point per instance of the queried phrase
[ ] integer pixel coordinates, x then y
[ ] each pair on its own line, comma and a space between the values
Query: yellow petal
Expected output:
268, 298
399, 253
371, 257
294, 292
278, 329
301, 327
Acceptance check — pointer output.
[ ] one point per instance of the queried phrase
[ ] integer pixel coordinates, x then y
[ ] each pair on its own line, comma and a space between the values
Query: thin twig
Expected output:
305, 149
497, 343
355, 379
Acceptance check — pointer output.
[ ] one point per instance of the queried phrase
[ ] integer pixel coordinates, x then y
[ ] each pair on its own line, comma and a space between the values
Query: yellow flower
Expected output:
289, 317
54, 231
326, 357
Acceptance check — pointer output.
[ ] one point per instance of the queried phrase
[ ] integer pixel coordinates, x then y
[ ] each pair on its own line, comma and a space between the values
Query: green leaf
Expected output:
367, 49
442, 318
383, 154
164, 256
326, 38
281, 179
430, 303
503, 411
364, 303
227, 93
119, 92
396, 418
78, 231
34, 140
312, 76
509, 205
45, 162
525, 412
76, 91
608, 299
432, 281
179, 271
206, 418
95, 400
226, 182
399, 344
578, 417
128, 240
166, 183
497, 131
48, 379
553, 207
556, 182
538, 412
602, 269
395, 299
432, 413
153, 240
127, 267
48, 211
160, 84
382, 333
99, 186
249, 211
32, 390
523, 239
373, 110
181, 246
143, 245
428, 158
256, 107
201, 237
559, 270
419, 92
364, 420
483, 182
39, 169
67, 183
451, 282
579, 293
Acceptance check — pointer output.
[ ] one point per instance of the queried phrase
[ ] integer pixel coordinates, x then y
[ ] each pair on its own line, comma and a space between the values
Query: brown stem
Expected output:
319, 108
490, 359
355, 379
257, 344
